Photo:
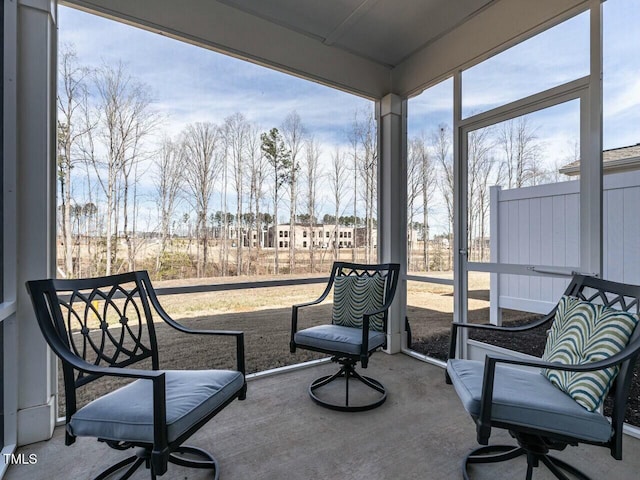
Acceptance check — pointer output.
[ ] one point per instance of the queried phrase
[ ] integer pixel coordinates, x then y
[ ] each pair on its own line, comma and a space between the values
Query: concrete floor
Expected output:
421, 432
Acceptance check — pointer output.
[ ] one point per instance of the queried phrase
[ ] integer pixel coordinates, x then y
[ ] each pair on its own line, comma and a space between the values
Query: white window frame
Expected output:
589, 92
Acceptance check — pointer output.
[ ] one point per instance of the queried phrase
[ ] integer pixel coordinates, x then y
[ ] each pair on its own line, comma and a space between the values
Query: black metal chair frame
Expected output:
536, 444
349, 361
48, 303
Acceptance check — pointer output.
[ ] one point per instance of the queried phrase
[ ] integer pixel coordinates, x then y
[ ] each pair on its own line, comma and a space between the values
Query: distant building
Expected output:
321, 236
615, 160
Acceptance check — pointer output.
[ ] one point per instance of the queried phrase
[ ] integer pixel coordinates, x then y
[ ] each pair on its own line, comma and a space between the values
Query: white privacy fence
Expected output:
541, 226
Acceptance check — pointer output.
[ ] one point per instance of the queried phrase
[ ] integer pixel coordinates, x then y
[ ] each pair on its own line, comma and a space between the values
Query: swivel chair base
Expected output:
537, 452
206, 460
347, 371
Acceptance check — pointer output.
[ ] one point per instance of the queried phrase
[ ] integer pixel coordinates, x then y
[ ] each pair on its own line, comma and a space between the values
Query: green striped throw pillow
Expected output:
583, 332
353, 296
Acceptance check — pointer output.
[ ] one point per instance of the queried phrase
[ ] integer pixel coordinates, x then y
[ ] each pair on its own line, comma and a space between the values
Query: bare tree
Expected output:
89, 214
293, 133
90, 160
368, 169
72, 101
279, 158
480, 169
236, 131
167, 178
224, 215
91, 211
201, 168
313, 174
415, 150
429, 181
123, 118
441, 146
421, 186
354, 143
257, 174
519, 143
338, 182
131, 174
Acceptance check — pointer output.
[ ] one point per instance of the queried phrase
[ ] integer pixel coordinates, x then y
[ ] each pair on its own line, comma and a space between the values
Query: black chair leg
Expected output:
490, 454
556, 466
348, 372
136, 462
532, 462
204, 459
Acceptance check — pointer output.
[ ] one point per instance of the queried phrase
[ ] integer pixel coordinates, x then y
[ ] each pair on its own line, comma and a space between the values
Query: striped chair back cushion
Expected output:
354, 296
584, 332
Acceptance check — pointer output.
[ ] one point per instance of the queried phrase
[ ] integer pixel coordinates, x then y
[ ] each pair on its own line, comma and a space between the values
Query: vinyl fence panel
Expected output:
540, 225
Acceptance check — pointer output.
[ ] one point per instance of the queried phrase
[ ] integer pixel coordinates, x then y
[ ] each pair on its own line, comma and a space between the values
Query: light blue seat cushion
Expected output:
528, 399
127, 413
337, 338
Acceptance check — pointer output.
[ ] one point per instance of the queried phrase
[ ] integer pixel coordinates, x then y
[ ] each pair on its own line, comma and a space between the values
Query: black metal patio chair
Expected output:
590, 353
104, 327
361, 301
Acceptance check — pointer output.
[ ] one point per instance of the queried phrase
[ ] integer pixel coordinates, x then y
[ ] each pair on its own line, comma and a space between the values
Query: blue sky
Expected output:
558, 55
191, 84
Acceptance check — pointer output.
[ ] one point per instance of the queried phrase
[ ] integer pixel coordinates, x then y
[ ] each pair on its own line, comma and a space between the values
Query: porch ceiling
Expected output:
421, 432
384, 31
366, 47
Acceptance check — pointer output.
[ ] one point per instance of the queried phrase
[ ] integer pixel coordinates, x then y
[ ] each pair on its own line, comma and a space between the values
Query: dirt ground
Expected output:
266, 335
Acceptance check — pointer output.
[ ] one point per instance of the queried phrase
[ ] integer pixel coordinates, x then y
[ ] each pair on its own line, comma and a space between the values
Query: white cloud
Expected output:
190, 84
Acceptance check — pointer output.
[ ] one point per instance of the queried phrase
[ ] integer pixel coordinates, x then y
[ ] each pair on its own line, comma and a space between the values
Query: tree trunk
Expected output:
276, 269
292, 221
66, 222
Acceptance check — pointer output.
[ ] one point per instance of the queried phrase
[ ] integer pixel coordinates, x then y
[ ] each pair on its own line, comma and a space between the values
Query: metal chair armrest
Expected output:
295, 308
240, 360
496, 328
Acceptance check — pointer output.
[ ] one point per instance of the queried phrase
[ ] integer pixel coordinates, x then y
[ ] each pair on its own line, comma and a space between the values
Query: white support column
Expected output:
460, 247
9, 219
495, 312
591, 151
36, 148
392, 205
